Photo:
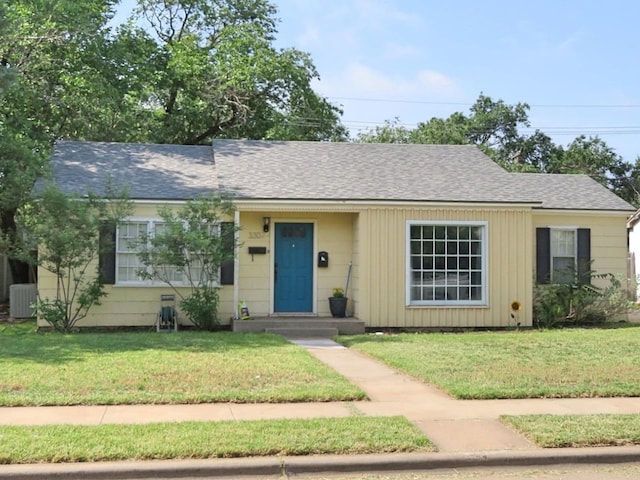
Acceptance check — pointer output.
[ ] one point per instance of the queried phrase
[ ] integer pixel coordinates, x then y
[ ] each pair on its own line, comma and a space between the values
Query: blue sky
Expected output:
574, 62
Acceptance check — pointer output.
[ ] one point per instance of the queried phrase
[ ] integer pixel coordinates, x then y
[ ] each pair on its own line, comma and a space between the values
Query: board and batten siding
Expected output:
333, 233
382, 280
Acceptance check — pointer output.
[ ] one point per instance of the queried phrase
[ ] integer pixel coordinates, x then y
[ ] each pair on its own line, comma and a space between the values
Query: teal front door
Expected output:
293, 268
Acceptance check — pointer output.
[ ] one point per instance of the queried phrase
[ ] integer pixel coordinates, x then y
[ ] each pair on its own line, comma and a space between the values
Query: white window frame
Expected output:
151, 225
484, 253
553, 253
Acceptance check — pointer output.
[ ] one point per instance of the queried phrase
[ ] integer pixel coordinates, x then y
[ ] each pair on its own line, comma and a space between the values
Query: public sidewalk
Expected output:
466, 432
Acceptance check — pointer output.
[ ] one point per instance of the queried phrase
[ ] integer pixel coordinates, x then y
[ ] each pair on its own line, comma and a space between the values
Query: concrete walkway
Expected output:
463, 430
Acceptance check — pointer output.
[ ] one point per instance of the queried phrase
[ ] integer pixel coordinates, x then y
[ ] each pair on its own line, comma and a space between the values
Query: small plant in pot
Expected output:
338, 303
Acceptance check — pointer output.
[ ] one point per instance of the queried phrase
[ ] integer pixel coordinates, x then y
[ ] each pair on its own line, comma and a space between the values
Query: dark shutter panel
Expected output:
227, 234
543, 255
107, 254
584, 255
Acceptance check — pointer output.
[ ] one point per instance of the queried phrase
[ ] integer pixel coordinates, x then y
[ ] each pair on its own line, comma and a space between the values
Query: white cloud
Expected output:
362, 80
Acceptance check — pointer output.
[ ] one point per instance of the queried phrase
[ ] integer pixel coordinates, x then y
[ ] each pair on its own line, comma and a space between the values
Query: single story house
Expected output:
429, 236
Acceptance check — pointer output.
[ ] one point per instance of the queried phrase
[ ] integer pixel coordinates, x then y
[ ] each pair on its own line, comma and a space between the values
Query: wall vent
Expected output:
22, 296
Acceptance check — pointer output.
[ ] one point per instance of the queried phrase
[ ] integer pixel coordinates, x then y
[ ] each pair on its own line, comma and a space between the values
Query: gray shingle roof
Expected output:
320, 171
163, 172
570, 191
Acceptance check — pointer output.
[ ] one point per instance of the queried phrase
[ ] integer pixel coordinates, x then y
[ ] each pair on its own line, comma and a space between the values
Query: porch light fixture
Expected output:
266, 221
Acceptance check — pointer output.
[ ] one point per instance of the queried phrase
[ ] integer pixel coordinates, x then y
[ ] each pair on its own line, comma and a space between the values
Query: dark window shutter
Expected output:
107, 254
543, 255
584, 255
227, 234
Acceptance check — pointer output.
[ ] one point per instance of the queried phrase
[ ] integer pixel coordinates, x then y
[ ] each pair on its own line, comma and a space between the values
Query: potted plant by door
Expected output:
338, 303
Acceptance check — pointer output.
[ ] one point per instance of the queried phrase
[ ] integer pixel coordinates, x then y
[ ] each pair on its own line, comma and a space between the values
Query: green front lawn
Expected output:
67, 443
578, 430
182, 367
526, 364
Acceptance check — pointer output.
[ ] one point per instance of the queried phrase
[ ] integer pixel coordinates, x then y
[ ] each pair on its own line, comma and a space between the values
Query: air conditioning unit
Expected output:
22, 296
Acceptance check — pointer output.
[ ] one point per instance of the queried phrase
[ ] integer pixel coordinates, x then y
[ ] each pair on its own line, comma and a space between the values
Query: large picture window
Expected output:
446, 263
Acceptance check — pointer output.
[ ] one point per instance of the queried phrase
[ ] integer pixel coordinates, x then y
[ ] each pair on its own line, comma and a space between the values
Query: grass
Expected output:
526, 364
554, 431
182, 367
66, 443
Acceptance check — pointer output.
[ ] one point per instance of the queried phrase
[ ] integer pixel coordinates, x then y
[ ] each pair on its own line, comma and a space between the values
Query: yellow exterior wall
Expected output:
382, 280
333, 233
135, 306
608, 237
373, 239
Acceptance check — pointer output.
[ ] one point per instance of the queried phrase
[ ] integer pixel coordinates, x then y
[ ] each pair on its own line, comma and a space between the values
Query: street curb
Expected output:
325, 464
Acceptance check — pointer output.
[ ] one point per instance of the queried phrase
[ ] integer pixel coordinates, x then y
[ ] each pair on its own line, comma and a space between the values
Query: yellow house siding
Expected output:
133, 305
333, 233
608, 237
382, 292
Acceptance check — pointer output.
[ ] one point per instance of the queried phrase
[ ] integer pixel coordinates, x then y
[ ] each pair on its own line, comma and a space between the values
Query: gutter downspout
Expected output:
236, 264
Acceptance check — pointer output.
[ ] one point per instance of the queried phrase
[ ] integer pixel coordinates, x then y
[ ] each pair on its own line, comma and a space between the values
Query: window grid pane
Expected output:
563, 255
446, 263
129, 236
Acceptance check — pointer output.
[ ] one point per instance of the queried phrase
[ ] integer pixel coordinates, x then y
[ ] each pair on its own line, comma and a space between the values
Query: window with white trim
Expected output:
447, 263
128, 264
128, 237
120, 263
564, 251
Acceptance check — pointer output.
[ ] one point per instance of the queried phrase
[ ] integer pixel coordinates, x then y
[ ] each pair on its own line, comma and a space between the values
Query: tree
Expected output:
189, 249
42, 88
64, 231
390, 132
595, 158
201, 69
180, 71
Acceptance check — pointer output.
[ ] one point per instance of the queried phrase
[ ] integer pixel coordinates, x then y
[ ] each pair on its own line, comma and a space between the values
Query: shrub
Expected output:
578, 303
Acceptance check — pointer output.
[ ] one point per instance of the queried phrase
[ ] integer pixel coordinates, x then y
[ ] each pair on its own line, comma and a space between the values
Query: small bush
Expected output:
579, 303
202, 308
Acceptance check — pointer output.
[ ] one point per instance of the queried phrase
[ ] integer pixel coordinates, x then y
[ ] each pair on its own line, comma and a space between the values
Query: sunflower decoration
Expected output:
516, 306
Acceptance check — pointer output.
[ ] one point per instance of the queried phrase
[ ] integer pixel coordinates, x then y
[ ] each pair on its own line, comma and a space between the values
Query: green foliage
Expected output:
202, 307
62, 237
210, 68
180, 71
390, 132
579, 303
188, 251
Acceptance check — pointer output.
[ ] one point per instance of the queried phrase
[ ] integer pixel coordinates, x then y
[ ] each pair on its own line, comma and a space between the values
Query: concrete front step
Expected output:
343, 326
304, 332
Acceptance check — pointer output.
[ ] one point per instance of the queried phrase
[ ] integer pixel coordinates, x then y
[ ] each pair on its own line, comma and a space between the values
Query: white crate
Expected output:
22, 296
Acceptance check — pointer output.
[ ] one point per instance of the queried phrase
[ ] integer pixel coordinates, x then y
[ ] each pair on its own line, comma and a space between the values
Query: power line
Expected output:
555, 131
466, 104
